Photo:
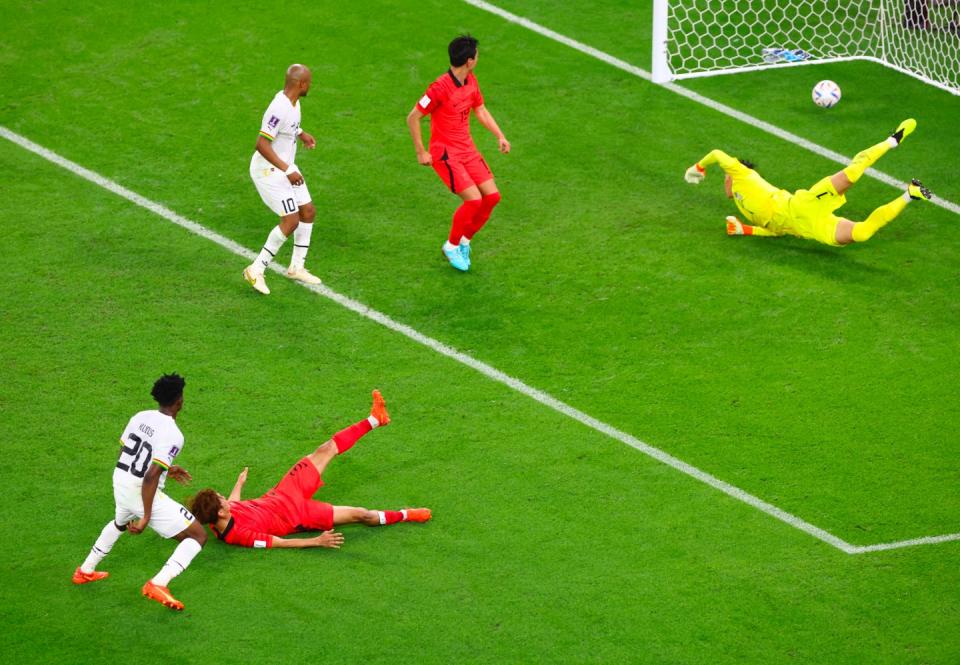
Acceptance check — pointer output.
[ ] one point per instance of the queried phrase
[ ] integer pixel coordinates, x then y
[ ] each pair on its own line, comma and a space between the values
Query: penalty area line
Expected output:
698, 98
462, 358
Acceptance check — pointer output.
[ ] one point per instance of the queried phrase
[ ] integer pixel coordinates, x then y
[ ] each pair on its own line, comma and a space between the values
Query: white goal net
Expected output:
707, 37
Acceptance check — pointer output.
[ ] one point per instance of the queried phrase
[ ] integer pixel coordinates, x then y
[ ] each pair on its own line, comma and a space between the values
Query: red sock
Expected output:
462, 219
345, 438
487, 204
390, 517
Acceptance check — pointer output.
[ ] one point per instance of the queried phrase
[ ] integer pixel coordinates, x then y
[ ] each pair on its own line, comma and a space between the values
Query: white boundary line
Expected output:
450, 352
700, 99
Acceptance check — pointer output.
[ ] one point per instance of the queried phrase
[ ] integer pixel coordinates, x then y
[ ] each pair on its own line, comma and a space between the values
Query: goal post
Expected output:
693, 38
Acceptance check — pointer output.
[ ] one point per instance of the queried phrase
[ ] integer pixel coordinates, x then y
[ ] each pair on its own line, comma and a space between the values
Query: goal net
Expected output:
708, 37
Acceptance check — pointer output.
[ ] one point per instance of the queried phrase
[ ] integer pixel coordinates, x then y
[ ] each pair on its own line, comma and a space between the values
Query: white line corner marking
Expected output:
485, 369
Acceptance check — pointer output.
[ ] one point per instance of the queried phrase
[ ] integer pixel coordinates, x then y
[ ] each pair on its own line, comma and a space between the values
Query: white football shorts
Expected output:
277, 192
168, 517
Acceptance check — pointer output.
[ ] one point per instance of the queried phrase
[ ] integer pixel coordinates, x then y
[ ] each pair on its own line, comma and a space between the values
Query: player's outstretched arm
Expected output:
330, 539
180, 474
486, 119
238, 486
730, 165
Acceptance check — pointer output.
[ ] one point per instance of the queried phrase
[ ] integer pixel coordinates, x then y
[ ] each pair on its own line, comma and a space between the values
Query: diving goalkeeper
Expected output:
807, 213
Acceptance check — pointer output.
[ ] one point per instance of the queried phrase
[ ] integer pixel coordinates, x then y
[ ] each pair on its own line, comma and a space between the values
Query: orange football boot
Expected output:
418, 514
162, 595
80, 577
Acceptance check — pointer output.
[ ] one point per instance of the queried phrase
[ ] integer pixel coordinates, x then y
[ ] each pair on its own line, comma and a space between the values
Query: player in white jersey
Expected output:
150, 443
279, 182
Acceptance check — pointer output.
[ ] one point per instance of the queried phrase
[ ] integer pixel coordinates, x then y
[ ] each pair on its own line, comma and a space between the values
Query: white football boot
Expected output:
256, 281
301, 274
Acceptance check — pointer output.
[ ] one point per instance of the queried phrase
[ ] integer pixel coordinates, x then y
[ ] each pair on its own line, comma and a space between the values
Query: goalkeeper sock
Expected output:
178, 561
345, 438
866, 158
108, 538
879, 218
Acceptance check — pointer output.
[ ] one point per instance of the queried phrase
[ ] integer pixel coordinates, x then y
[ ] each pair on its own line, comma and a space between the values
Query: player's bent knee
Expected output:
197, 532
308, 213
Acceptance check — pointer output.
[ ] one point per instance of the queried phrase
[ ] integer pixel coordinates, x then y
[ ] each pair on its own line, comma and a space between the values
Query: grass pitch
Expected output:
821, 380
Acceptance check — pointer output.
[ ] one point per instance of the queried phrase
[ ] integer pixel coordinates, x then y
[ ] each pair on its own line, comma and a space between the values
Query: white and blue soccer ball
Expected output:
826, 94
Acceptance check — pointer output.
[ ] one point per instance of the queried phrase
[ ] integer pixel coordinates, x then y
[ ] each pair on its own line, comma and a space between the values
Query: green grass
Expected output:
821, 380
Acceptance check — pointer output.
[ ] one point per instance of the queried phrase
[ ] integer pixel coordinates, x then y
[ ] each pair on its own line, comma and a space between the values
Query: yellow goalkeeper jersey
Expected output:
760, 202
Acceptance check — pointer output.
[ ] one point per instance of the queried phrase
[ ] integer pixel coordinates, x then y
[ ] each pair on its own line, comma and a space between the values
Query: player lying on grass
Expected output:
807, 213
290, 508
149, 445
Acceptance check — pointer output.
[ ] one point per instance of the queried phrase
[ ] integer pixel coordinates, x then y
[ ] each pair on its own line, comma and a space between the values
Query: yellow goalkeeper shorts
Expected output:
811, 212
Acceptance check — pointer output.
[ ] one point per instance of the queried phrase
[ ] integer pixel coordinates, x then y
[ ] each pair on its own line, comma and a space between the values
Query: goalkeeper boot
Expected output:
455, 257
80, 577
379, 409
918, 192
903, 130
734, 226
256, 280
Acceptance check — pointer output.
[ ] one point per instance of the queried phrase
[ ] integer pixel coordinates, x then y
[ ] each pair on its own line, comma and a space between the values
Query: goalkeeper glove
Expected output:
695, 174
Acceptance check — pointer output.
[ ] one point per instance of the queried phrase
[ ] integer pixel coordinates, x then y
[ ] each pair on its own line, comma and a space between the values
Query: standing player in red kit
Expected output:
290, 508
448, 101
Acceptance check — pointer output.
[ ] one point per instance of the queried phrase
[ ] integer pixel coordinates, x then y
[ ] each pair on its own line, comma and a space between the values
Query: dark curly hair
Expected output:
168, 389
205, 506
747, 163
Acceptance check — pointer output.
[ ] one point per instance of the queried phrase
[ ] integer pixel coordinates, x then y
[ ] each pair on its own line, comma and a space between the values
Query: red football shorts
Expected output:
297, 489
459, 174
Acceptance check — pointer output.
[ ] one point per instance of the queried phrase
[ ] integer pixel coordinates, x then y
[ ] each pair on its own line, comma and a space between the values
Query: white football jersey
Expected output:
150, 436
280, 124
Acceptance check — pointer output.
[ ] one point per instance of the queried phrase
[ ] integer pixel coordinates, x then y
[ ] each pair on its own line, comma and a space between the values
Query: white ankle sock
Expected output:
301, 244
270, 248
178, 561
108, 538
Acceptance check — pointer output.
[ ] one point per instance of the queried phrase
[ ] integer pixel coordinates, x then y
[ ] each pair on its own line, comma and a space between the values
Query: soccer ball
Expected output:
826, 94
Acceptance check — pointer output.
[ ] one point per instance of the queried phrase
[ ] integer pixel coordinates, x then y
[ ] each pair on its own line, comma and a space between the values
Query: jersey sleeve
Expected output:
730, 165
246, 538
167, 448
270, 125
432, 98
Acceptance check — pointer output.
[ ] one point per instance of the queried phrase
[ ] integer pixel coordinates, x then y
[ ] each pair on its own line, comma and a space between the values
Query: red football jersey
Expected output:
448, 103
253, 522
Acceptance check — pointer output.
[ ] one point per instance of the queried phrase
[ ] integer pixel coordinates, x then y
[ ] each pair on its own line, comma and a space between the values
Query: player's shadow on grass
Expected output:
834, 263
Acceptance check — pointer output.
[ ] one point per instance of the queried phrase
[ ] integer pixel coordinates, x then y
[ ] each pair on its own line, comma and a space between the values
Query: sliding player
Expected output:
290, 508
279, 182
448, 101
149, 445
807, 213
